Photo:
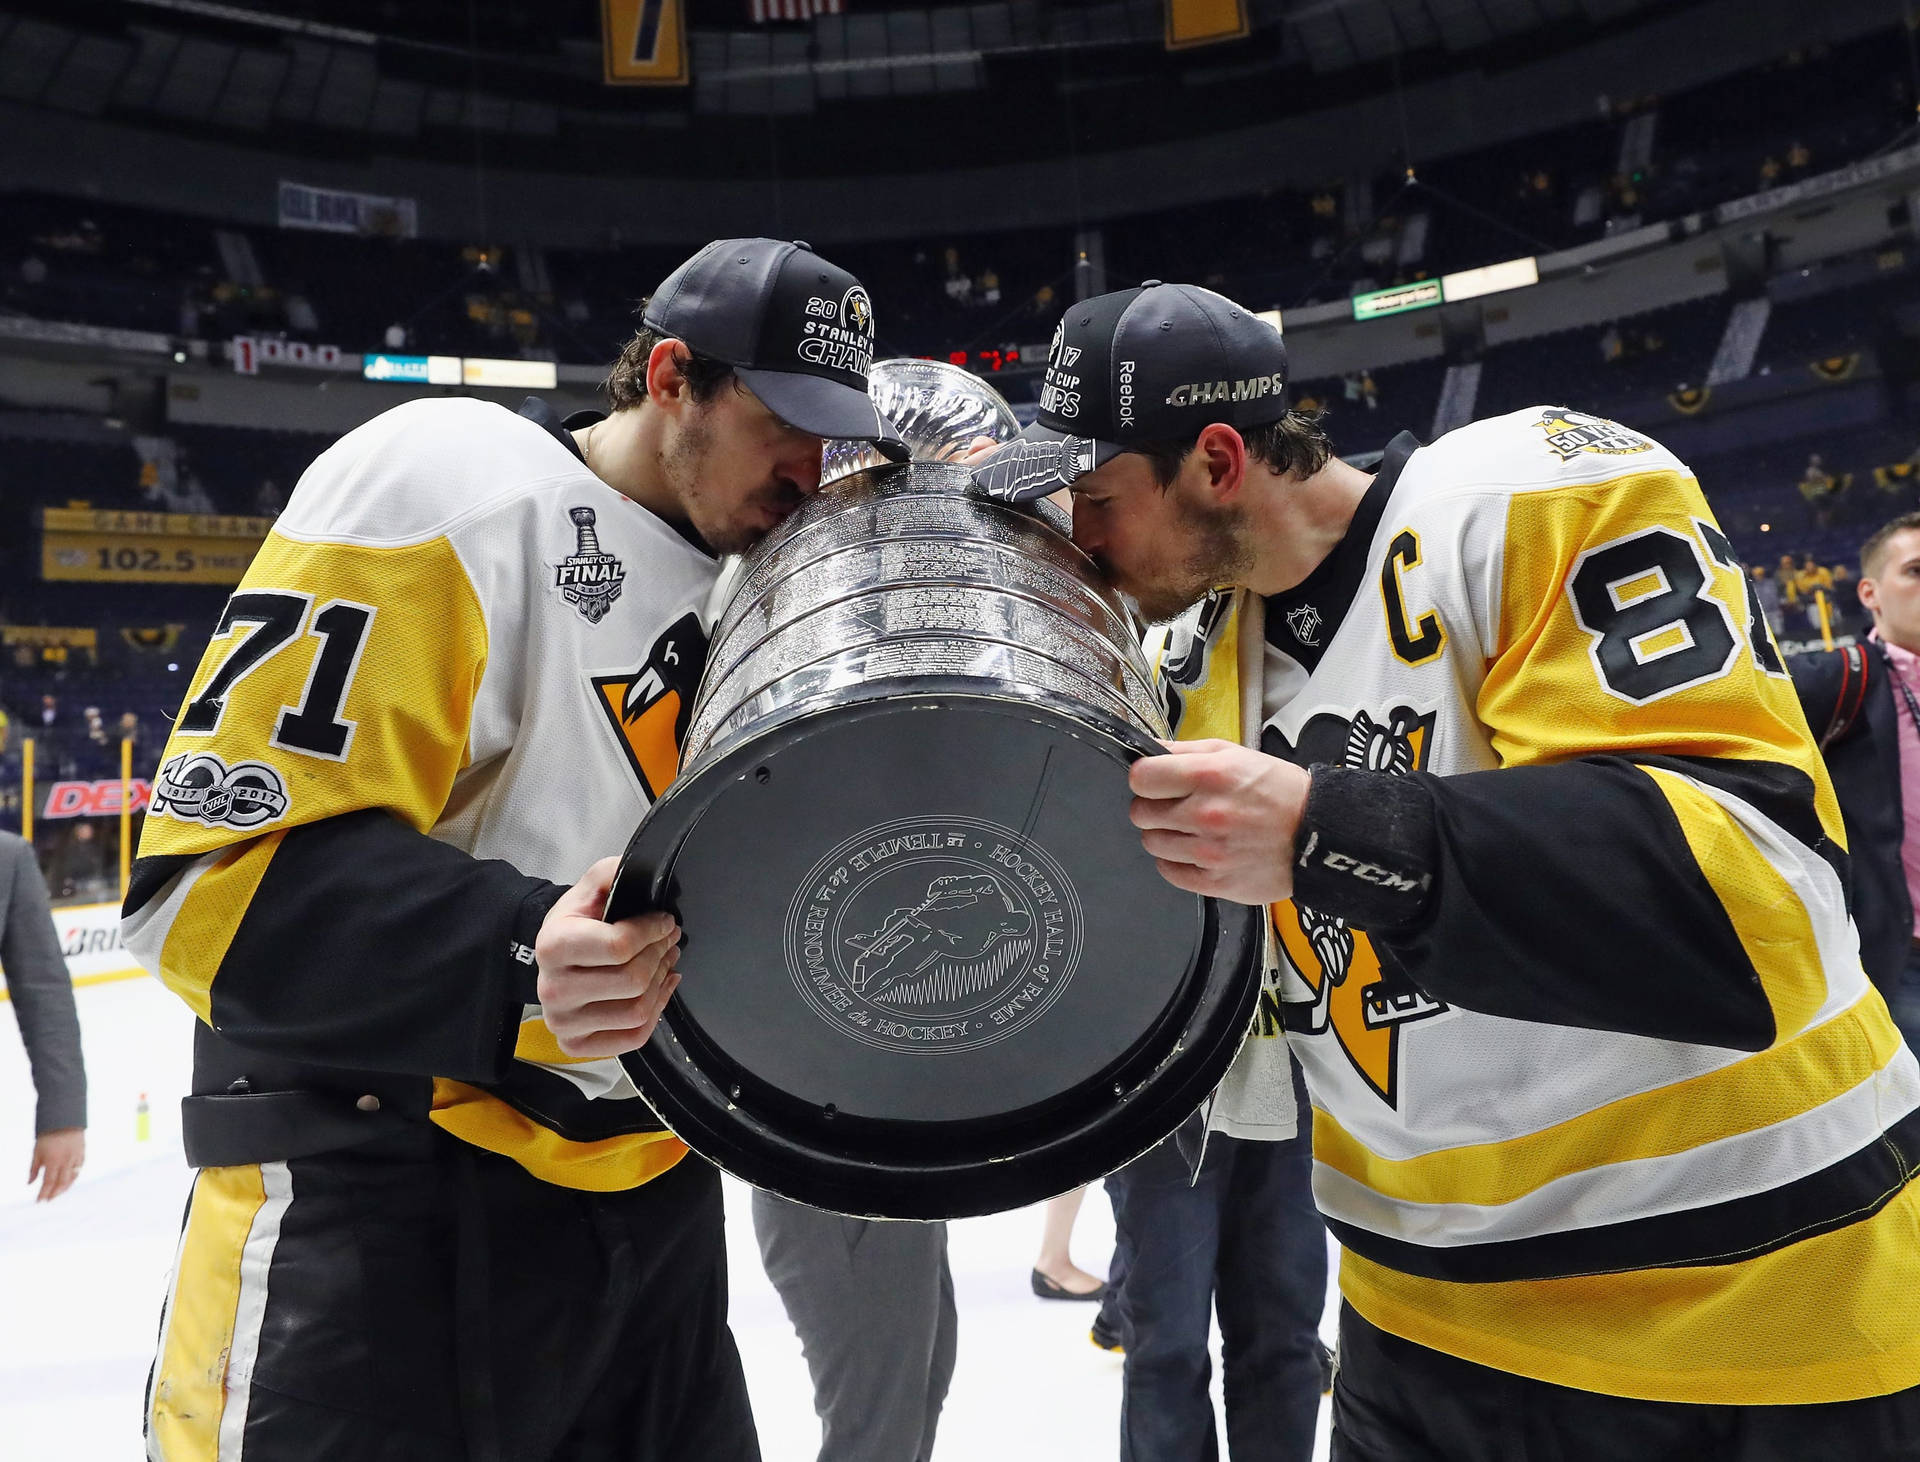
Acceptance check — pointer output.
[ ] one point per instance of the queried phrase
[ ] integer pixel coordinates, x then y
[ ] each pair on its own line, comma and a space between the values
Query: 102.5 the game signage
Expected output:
87, 546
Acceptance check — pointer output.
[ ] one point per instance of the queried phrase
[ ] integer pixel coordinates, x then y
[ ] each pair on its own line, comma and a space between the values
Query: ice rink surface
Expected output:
81, 1281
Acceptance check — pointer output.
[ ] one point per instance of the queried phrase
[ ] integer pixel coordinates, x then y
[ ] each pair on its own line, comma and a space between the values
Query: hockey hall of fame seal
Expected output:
934, 934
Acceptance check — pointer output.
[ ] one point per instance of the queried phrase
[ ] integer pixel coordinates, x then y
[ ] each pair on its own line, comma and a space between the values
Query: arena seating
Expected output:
1653, 353
106, 264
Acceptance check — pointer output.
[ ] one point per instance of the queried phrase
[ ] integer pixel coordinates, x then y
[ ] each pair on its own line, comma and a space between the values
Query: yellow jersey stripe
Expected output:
208, 918
189, 1390
1766, 910
538, 1044
1792, 1326
1766, 1088
610, 1165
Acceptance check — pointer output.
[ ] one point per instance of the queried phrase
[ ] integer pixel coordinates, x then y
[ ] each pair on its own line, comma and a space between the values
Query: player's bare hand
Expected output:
978, 450
1220, 819
56, 1161
602, 986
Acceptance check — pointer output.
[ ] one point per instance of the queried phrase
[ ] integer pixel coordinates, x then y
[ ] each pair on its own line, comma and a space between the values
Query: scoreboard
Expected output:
1001, 359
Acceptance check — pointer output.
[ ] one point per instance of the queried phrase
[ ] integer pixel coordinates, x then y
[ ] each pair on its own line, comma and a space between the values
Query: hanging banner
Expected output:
61, 639
1203, 22
644, 42
331, 210
88, 546
152, 638
766, 12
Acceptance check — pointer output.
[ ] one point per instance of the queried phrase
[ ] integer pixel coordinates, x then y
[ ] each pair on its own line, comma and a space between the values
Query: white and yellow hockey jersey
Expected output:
1601, 1093
455, 676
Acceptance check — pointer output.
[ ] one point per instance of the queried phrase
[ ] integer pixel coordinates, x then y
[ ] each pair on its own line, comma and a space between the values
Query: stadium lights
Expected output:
524, 375
1493, 278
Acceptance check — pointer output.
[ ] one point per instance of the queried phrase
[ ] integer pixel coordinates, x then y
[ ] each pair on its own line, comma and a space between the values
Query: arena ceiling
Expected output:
949, 83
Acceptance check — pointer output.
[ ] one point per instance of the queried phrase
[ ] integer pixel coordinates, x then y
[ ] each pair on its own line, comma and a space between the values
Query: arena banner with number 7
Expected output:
1202, 22
645, 42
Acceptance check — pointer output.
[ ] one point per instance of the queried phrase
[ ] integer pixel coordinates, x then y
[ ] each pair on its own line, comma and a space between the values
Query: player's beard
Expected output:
725, 528
1215, 552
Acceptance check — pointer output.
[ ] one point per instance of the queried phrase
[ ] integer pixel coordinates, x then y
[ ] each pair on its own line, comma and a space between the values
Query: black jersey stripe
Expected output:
1854, 1188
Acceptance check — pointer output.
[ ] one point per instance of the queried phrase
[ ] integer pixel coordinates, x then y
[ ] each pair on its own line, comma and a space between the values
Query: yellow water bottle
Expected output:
142, 1123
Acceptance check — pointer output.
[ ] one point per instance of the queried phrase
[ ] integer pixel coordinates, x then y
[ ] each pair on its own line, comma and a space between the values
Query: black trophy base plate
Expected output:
928, 968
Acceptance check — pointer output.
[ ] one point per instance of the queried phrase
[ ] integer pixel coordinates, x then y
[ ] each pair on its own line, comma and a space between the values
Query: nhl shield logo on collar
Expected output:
587, 578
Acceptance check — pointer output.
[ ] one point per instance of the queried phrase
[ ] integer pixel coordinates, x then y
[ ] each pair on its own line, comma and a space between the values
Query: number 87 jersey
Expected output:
1625, 1031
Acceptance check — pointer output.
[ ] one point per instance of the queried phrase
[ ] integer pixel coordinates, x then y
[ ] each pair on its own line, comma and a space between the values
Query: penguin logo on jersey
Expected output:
649, 708
1352, 993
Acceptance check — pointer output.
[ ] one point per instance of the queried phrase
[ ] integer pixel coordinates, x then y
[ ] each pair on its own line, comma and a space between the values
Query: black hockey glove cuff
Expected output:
1366, 848
522, 973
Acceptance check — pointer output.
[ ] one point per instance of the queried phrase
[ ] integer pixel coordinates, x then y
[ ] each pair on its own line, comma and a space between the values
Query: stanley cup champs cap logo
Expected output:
838, 334
933, 934
1060, 391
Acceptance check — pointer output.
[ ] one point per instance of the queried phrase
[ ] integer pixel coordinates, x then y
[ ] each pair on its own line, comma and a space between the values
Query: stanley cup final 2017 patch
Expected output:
587, 578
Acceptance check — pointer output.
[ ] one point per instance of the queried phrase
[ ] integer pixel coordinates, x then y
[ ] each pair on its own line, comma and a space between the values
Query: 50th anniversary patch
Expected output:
934, 934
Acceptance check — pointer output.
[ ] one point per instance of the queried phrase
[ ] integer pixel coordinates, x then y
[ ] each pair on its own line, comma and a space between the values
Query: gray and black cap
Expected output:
1151, 364
797, 331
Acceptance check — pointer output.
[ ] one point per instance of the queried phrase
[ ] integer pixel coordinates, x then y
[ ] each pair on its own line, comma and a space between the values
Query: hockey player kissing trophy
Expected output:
1617, 1138
432, 1216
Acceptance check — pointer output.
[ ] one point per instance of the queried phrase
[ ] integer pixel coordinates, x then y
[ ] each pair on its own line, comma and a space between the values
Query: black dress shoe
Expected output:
1048, 1290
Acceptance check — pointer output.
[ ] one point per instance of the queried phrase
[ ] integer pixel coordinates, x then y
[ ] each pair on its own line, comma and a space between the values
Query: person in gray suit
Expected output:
873, 1305
42, 994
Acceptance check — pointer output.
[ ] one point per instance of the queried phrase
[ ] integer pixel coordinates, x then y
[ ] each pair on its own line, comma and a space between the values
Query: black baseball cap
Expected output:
1156, 363
797, 331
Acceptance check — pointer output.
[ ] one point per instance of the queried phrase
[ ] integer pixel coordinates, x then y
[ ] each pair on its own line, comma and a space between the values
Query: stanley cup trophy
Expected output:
931, 971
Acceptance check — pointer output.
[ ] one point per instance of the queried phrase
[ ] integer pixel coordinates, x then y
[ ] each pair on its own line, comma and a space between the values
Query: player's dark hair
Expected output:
626, 382
1295, 445
1874, 548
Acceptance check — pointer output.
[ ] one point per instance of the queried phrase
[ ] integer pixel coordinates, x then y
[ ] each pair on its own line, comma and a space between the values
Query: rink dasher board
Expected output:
89, 937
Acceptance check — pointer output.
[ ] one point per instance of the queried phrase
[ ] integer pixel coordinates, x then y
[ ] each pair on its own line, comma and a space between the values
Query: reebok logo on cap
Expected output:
1156, 363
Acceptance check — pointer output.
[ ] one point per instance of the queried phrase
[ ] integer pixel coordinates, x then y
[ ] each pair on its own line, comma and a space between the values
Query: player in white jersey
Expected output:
433, 1218
1616, 1135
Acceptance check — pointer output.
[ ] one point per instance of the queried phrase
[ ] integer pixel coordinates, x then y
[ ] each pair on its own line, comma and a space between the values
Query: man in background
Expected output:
1863, 703
42, 995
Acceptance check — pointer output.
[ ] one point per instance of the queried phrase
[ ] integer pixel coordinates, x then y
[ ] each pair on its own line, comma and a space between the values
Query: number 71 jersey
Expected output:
457, 628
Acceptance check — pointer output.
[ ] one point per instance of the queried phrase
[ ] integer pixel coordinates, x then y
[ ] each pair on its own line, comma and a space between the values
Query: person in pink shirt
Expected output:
1863, 703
